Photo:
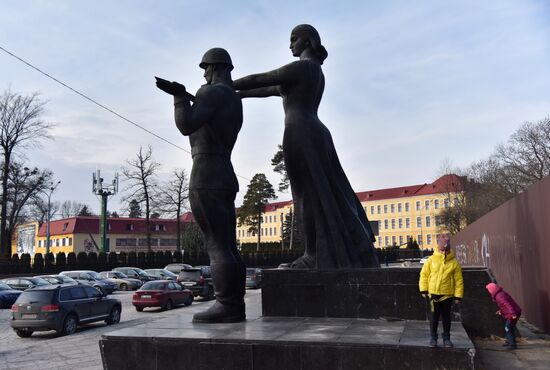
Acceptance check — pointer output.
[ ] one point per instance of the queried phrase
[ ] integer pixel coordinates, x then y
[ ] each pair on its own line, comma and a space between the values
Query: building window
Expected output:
129, 227
419, 238
65, 226
418, 205
429, 239
109, 227
70, 241
400, 239
393, 240
387, 240
428, 221
419, 222
437, 220
399, 207
385, 208
436, 204
407, 222
371, 210
393, 223
427, 205
407, 207
380, 225
379, 241
378, 209
400, 223
392, 208
446, 203
63, 242
385, 224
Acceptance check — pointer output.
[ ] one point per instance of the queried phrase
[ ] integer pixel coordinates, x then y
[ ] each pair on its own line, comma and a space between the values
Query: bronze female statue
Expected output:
335, 229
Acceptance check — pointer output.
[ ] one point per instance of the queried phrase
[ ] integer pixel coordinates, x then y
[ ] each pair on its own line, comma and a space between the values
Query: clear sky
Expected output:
409, 84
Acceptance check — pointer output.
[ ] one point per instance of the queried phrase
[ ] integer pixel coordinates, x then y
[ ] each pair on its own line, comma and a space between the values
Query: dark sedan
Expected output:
161, 293
23, 283
7, 295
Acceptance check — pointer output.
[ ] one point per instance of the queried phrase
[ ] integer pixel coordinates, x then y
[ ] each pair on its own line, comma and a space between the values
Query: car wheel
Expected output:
114, 316
23, 333
189, 300
139, 309
123, 286
167, 306
69, 325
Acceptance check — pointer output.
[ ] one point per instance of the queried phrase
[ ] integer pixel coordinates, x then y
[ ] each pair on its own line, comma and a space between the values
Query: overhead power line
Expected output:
99, 104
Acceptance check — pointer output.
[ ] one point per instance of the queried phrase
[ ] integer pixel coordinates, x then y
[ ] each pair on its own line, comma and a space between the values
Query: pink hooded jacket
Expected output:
508, 307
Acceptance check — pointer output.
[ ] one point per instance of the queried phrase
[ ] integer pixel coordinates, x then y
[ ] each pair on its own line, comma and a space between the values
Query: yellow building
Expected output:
408, 212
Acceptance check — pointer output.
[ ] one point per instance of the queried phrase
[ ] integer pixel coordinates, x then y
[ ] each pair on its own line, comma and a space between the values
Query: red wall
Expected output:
514, 242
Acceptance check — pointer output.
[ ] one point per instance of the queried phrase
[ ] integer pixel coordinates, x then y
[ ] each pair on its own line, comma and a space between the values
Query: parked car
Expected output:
198, 280
161, 293
423, 260
253, 277
177, 267
7, 295
61, 308
122, 281
162, 274
58, 279
135, 273
92, 278
23, 283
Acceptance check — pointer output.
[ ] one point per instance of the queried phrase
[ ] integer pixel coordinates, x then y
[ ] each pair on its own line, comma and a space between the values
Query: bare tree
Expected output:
140, 175
173, 198
525, 158
21, 125
24, 185
71, 208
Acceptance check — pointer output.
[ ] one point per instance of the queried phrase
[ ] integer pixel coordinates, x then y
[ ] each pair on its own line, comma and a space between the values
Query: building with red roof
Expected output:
401, 213
81, 234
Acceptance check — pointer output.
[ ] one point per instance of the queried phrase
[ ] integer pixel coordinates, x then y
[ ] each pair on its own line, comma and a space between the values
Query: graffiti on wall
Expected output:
474, 253
26, 239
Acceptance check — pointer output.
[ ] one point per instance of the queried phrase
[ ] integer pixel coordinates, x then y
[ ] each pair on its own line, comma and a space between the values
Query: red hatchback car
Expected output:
161, 293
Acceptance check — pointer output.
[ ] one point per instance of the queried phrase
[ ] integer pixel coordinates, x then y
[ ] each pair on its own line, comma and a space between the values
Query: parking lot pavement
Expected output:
47, 350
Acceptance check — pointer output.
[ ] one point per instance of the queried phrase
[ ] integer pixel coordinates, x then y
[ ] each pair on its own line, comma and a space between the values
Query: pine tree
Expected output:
259, 192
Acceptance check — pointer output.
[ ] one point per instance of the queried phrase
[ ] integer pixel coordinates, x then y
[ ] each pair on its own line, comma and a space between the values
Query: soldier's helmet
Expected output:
216, 56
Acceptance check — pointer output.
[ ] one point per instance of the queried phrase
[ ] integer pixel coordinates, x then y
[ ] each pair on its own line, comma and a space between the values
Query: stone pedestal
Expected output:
372, 294
276, 343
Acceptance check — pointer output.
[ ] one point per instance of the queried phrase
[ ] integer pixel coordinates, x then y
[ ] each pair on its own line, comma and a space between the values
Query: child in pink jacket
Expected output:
508, 309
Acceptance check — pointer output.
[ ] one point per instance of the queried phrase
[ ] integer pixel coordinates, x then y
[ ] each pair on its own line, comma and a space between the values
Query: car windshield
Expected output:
65, 279
39, 281
190, 275
250, 271
95, 275
36, 296
142, 273
153, 285
4, 287
118, 274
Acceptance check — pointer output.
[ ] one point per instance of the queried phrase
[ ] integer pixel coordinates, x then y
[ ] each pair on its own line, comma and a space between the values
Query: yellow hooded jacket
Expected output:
442, 275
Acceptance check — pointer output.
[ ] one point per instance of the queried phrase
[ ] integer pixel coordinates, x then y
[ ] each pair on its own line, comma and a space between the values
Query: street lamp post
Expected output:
51, 190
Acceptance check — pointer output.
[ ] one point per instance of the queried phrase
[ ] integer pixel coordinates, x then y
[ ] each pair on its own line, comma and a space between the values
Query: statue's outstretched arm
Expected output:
286, 74
190, 118
260, 92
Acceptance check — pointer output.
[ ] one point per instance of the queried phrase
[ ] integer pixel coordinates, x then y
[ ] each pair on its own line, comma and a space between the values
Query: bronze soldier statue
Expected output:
212, 123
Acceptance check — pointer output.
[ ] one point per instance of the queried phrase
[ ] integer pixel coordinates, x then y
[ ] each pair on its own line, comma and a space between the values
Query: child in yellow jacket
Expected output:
441, 280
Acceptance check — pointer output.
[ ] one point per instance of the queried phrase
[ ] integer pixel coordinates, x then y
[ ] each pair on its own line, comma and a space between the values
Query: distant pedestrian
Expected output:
441, 280
509, 310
